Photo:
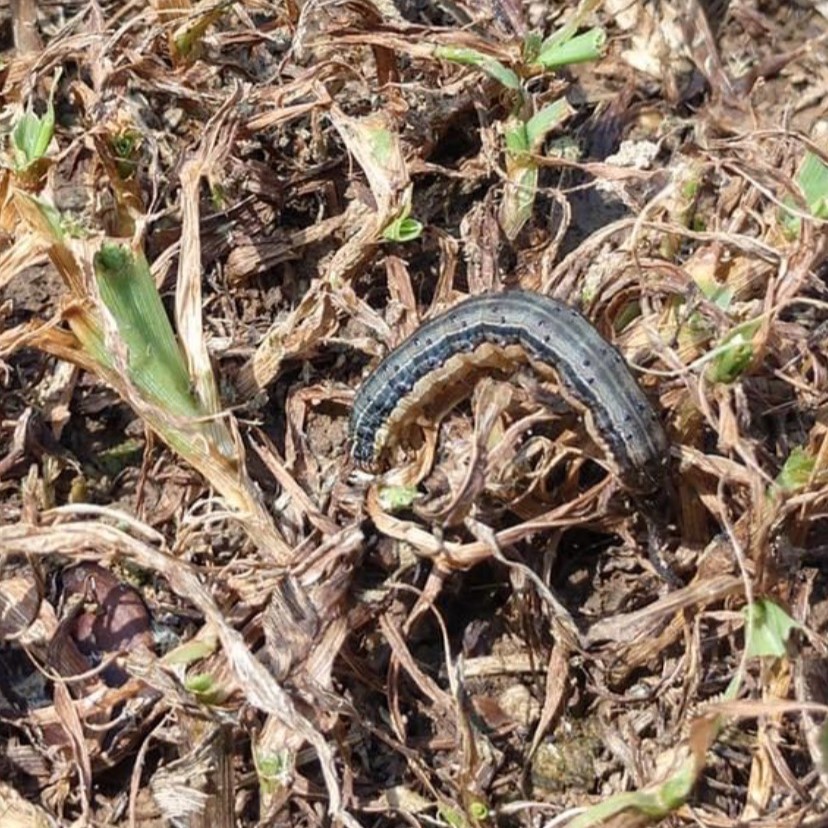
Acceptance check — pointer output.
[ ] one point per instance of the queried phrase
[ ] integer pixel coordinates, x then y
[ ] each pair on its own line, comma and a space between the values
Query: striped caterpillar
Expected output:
498, 328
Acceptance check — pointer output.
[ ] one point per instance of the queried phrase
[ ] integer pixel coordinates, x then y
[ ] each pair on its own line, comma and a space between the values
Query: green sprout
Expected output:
813, 181
770, 628
206, 689
33, 133
797, 470
582, 48
403, 229
124, 145
472, 57
734, 354
525, 131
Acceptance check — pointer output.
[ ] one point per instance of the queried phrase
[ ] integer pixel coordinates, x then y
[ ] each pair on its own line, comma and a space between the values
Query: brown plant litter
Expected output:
208, 617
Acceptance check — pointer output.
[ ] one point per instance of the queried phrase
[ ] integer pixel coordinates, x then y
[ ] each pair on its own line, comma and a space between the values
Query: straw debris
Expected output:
215, 219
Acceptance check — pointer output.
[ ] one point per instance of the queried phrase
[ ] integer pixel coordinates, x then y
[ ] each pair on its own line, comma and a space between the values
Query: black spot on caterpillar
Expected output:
512, 327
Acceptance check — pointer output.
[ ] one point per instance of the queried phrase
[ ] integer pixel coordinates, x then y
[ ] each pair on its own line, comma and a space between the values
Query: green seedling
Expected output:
403, 229
397, 498
797, 470
191, 651
206, 689
33, 133
582, 48
486, 63
734, 354
525, 131
769, 629
125, 145
524, 142
813, 181
274, 772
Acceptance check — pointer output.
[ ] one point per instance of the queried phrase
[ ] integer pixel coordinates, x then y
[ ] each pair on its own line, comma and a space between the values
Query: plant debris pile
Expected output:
216, 219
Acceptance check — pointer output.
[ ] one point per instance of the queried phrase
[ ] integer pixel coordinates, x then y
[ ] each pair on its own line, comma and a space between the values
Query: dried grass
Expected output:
324, 656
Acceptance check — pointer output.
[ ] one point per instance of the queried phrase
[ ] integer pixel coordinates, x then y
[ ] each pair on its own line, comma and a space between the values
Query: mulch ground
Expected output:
216, 619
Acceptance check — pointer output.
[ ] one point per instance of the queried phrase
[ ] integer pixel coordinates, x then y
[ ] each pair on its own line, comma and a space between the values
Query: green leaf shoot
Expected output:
769, 628
472, 57
579, 49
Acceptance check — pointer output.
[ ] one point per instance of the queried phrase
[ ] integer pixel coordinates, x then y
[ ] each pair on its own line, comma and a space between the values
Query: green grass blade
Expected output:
813, 180
770, 628
471, 57
155, 361
580, 49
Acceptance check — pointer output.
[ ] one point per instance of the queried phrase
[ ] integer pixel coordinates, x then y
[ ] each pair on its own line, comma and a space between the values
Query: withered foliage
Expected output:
209, 617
